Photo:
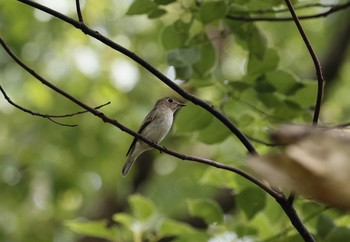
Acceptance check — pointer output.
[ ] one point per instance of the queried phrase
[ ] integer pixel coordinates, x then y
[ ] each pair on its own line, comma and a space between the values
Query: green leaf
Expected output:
183, 73
97, 229
218, 178
324, 226
173, 37
239, 86
262, 86
291, 238
305, 96
164, 2
266, 4
207, 61
156, 13
251, 201
269, 62
124, 219
182, 231
339, 234
211, 11
192, 118
257, 42
206, 209
284, 82
271, 100
214, 133
141, 7
142, 207
183, 57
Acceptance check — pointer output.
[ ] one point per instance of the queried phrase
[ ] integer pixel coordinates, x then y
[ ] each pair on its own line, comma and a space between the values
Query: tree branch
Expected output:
280, 197
210, 108
115, 123
333, 9
315, 60
80, 16
47, 116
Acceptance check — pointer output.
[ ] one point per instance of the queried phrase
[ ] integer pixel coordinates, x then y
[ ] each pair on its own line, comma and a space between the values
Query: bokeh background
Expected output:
50, 174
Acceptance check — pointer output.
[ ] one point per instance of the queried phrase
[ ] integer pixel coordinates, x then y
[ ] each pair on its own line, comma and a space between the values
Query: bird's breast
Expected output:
159, 127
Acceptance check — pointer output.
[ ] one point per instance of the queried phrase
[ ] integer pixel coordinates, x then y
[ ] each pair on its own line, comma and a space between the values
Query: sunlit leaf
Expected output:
142, 207
123, 218
141, 7
182, 231
97, 229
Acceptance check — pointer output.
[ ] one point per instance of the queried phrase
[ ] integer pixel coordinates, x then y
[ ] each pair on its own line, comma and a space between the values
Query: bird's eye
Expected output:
170, 100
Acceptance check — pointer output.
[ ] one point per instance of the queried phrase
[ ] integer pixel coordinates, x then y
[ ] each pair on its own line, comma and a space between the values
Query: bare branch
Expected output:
262, 142
47, 116
210, 108
282, 10
80, 16
317, 63
31, 112
333, 9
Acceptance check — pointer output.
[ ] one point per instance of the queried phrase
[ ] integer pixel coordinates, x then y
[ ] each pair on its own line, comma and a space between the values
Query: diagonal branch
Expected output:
115, 123
315, 60
210, 108
279, 197
47, 116
333, 9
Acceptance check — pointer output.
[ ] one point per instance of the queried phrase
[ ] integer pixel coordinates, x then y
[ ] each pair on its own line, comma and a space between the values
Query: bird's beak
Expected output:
181, 104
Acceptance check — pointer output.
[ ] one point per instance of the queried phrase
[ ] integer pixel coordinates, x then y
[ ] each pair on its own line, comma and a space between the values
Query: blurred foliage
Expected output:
62, 184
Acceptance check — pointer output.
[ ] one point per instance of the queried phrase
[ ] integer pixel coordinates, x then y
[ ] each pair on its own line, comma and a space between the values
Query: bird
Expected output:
155, 127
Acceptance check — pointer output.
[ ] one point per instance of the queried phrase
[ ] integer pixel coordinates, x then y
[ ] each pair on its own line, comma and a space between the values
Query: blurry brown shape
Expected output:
314, 162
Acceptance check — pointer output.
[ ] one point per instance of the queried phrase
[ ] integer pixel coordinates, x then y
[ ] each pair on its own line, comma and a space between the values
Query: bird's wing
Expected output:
149, 118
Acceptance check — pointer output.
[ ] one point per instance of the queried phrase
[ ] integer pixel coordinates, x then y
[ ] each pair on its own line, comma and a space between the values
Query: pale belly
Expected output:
159, 128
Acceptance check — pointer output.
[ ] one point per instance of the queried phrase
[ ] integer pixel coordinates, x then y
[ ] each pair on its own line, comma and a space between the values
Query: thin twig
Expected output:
262, 142
47, 116
114, 122
315, 60
31, 112
80, 16
332, 10
280, 197
269, 10
197, 101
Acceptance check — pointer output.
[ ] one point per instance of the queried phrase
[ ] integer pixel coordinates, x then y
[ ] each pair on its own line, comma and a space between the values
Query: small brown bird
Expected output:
155, 127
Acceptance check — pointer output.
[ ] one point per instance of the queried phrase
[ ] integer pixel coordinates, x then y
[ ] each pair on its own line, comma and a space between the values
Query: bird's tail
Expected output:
128, 163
